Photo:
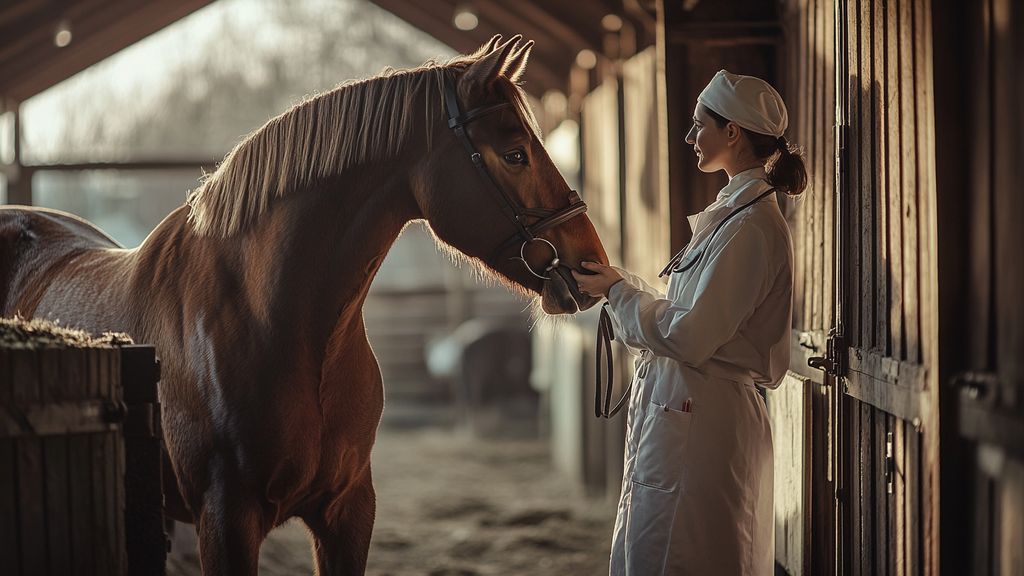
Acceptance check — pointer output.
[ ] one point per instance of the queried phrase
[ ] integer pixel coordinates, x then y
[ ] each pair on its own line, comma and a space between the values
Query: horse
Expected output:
252, 290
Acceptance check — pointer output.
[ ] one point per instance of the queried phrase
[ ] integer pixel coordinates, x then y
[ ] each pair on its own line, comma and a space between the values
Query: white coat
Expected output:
697, 486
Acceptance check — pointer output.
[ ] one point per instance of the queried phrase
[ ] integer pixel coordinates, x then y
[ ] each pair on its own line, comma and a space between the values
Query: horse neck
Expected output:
305, 266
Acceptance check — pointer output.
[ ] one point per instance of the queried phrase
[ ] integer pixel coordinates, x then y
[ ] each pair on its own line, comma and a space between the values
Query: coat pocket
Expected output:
660, 454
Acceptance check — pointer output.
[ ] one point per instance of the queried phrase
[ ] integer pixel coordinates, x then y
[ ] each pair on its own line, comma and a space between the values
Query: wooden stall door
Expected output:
884, 347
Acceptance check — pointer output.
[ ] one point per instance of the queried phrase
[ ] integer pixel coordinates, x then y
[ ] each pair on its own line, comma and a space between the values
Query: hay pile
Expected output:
35, 333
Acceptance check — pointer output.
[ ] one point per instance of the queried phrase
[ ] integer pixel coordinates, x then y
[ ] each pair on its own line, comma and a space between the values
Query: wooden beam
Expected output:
546, 70
97, 33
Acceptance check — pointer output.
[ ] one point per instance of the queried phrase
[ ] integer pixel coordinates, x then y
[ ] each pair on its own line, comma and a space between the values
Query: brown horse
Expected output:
253, 291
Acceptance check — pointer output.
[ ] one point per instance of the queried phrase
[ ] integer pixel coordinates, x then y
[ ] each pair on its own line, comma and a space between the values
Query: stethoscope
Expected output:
684, 260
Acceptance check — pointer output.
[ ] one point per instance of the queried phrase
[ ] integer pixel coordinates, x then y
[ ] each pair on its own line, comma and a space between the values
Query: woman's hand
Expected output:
600, 282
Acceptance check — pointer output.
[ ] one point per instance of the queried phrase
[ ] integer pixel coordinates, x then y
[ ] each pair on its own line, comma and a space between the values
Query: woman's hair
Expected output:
784, 162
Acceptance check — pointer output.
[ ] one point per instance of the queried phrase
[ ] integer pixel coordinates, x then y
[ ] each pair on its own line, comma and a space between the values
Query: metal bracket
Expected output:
890, 465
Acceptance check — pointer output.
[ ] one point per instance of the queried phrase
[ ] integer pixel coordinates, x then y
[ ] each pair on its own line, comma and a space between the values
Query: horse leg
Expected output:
341, 531
231, 529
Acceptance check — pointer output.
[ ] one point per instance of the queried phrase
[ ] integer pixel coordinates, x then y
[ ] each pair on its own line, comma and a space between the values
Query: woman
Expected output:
697, 487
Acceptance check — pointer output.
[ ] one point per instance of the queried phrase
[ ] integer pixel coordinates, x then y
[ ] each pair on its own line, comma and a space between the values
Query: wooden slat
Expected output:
815, 129
893, 205
102, 480
856, 503
58, 527
864, 131
80, 465
879, 129
909, 183
796, 87
30, 470
852, 249
9, 534
806, 128
882, 542
828, 83
913, 499
899, 547
927, 248
866, 463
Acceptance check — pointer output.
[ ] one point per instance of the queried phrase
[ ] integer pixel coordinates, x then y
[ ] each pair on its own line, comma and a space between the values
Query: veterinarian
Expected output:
697, 486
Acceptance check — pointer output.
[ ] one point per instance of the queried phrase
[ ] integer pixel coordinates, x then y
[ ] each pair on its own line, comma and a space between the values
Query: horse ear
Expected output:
516, 64
481, 75
487, 47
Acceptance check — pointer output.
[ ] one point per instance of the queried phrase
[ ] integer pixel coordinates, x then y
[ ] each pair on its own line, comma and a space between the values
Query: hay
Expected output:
20, 333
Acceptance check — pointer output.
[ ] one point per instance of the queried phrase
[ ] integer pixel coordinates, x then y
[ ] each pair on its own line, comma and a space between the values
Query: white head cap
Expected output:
750, 102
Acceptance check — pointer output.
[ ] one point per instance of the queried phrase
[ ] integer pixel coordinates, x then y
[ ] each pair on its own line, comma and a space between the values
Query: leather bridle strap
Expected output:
457, 122
605, 335
516, 214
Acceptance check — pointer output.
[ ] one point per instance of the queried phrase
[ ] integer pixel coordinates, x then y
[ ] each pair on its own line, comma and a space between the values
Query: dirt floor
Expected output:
451, 505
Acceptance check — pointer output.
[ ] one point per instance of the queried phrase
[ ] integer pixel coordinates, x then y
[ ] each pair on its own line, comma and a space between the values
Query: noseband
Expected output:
544, 218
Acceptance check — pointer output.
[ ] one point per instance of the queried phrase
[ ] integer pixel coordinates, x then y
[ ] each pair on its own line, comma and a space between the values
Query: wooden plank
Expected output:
828, 164
913, 499
909, 183
882, 542
9, 535
855, 484
29, 464
885, 369
789, 409
894, 204
881, 223
101, 501
84, 535
80, 464
854, 217
867, 480
865, 136
908, 404
806, 136
899, 504
927, 249
818, 191
58, 526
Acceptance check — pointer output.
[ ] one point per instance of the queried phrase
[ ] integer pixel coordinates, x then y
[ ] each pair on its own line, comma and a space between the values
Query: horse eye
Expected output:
515, 157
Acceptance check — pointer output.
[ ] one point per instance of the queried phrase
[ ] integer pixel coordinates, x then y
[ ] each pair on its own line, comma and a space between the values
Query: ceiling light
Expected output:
465, 18
586, 59
611, 22
62, 34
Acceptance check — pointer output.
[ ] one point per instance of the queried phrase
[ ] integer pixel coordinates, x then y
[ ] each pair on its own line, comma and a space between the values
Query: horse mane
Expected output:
358, 122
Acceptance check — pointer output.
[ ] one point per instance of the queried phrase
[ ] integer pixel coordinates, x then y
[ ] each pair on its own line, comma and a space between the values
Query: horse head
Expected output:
490, 190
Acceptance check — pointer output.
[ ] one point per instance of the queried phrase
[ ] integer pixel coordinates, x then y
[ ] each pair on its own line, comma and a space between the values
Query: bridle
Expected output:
545, 218
528, 233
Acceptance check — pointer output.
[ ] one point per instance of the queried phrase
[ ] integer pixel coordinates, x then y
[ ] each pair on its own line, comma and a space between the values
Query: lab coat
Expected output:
697, 486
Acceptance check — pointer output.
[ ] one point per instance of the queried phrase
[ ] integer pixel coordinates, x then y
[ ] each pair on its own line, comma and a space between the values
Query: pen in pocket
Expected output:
688, 405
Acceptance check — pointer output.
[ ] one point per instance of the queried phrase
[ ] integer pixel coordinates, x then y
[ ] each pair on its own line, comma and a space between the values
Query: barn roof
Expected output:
31, 61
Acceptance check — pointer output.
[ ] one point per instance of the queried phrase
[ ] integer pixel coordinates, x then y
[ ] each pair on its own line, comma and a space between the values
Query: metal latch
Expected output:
832, 362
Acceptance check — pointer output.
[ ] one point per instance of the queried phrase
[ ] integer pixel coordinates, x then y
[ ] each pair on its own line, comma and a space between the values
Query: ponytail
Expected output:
786, 171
